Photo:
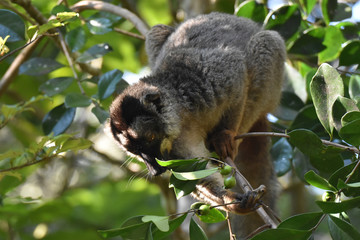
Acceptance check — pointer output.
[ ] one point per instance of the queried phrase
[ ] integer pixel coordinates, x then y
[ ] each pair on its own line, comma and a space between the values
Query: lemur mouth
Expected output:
154, 168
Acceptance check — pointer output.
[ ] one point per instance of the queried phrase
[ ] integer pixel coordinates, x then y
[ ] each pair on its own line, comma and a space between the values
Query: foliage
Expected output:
74, 64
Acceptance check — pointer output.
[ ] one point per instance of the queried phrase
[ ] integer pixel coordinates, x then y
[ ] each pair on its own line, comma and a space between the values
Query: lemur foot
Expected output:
223, 143
245, 203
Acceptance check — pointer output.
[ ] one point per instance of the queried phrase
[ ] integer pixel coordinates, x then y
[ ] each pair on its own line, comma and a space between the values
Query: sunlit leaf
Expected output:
333, 41
161, 222
194, 175
39, 66
173, 223
99, 25
94, 52
107, 83
176, 162
253, 10
63, 16
343, 174
58, 120
11, 24
351, 132
341, 106
213, 216
75, 145
56, 85
315, 180
325, 87
196, 232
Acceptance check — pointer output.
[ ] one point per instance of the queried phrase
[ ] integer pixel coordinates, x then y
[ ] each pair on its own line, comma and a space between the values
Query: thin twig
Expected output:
134, 35
232, 235
107, 7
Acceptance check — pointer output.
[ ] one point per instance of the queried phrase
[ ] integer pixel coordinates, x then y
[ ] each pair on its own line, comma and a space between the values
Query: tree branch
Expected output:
107, 7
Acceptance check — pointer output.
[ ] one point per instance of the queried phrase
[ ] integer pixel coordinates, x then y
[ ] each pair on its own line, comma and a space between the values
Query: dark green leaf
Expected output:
94, 52
354, 87
351, 133
328, 8
107, 83
39, 66
340, 229
9, 182
253, 10
174, 224
301, 164
343, 11
325, 159
337, 207
181, 188
277, 234
325, 87
11, 24
59, 8
290, 104
350, 117
350, 53
58, 120
136, 231
305, 221
309, 43
76, 39
100, 113
213, 216
306, 118
285, 20
55, 85
315, 180
341, 106
77, 100
342, 174
99, 25
196, 232
281, 155
149, 235
309, 5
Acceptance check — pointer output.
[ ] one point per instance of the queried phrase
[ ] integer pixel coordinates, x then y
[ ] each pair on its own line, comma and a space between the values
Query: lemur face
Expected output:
135, 123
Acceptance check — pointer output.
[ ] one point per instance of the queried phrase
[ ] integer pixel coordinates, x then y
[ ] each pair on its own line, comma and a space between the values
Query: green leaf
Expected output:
277, 234
196, 232
309, 5
304, 221
351, 133
9, 182
285, 20
77, 100
161, 222
324, 158
58, 120
290, 104
99, 25
333, 41
177, 162
100, 113
338, 207
315, 180
309, 43
39, 66
185, 176
253, 10
306, 118
342, 174
340, 229
94, 52
76, 39
350, 53
64, 16
181, 188
213, 216
281, 155
11, 24
354, 87
129, 230
325, 87
75, 145
341, 106
56, 85
52, 23
301, 164
328, 8
107, 83
173, 224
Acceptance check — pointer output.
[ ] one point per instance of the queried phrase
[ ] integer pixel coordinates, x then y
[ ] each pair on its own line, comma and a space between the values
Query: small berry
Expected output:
229, 182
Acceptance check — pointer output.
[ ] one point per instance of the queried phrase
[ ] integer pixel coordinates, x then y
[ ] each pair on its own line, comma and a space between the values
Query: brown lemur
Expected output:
213, 77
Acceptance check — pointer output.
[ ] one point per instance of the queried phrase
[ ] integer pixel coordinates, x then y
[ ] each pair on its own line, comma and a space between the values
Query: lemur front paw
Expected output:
223, 143
244, 203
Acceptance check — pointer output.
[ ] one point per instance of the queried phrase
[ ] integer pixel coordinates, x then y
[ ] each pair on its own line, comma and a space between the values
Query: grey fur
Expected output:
211, 74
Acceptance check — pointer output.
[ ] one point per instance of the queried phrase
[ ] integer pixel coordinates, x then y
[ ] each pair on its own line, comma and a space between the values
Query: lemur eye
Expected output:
152, 137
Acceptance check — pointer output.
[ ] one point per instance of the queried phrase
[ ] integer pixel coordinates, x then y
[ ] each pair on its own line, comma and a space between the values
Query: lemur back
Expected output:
213, 77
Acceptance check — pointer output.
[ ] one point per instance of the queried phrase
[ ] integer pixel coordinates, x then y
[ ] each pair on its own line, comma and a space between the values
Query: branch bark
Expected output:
107, 7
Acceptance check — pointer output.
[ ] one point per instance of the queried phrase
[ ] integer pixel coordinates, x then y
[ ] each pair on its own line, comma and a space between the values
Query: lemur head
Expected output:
137, 123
